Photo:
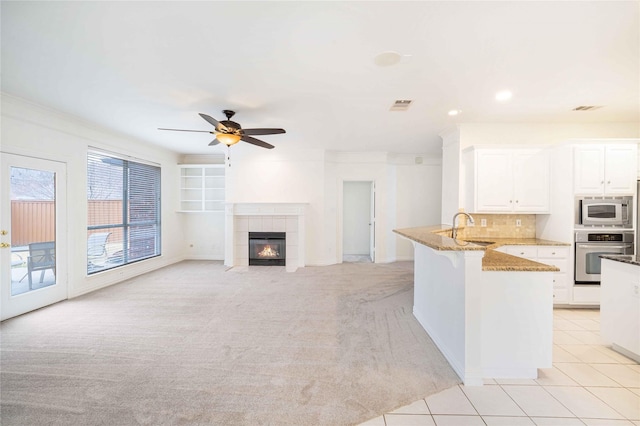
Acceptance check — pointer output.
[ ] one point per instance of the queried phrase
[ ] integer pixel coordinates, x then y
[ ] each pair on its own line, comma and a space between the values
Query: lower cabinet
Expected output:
557, 256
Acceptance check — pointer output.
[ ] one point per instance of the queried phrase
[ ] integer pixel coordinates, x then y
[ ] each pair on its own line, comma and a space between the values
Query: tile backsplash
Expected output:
498, 226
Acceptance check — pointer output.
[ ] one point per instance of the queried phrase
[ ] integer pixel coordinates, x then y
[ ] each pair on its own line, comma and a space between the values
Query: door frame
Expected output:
340, 218
11, 306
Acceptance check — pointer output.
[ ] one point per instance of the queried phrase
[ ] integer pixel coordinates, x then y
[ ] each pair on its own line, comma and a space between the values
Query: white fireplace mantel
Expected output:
242, 218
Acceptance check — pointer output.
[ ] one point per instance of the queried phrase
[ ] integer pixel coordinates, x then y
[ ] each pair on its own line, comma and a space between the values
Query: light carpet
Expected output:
195, 344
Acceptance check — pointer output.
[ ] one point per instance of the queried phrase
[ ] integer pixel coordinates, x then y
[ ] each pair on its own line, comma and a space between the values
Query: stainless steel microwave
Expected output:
604, 211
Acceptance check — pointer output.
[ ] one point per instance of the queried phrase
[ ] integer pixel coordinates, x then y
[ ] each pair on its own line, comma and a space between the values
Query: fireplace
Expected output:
267, 248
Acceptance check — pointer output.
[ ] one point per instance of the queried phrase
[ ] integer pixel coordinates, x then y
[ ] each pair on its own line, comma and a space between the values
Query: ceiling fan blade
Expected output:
185, 130
262, 131
214, 122
257, 142
214, 142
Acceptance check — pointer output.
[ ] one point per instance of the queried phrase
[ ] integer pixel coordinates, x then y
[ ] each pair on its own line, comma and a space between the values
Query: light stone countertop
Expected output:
438, 237
624, 258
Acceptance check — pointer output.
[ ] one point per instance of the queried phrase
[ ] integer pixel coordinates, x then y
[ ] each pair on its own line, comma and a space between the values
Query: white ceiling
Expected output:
309, 66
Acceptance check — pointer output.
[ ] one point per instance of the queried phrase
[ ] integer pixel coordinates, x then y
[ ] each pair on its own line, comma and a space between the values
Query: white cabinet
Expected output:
507, 180
605, 169
557, 256
202, 188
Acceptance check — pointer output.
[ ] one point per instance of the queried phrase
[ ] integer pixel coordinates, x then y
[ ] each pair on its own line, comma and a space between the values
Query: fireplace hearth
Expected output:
267, 248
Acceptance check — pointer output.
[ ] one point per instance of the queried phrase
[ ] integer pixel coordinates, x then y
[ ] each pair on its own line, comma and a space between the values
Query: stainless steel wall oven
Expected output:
591, 245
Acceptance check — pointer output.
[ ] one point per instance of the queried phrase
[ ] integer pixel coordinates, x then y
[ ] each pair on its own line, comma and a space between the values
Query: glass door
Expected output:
32, 234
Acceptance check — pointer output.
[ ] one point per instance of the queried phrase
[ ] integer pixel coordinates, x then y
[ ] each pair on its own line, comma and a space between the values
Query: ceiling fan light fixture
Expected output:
228, 138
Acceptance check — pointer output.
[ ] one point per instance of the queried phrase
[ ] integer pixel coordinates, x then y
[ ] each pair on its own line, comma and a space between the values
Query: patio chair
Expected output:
42, 256
97, 247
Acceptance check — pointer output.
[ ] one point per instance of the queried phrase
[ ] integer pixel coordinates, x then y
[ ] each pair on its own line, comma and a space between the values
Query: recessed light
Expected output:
503, 95
454, 112
386, 59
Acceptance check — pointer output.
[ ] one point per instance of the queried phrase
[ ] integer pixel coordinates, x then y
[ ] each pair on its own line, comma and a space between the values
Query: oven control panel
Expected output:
604, 237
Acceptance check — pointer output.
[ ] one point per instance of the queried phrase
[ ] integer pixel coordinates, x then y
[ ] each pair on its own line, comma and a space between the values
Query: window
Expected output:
123, 198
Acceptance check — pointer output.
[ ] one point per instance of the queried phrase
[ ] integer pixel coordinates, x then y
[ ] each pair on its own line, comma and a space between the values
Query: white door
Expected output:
33, 241
357, 215
372, 224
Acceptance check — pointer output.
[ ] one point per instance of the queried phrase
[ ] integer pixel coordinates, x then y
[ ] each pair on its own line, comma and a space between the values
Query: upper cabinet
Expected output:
202, 188
605, 169
507, 180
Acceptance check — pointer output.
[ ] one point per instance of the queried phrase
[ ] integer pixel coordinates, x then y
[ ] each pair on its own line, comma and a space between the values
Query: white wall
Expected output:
418, 195
407, 195
282, 175
351, 166
452, 175
32, 130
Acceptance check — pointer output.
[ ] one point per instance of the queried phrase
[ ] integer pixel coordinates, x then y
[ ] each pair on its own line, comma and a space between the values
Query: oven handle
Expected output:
602, 246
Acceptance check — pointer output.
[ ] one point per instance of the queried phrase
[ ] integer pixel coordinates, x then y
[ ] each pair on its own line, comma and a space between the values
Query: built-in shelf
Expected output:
202, 188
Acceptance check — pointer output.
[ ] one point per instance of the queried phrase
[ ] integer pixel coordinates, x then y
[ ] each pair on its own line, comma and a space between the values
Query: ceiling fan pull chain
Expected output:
229, 156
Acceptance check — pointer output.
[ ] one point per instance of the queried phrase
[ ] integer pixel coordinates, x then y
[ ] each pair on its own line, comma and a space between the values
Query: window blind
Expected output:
123, 198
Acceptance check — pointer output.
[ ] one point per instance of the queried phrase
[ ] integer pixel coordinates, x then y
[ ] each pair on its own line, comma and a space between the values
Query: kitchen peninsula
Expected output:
620, 304
489, 313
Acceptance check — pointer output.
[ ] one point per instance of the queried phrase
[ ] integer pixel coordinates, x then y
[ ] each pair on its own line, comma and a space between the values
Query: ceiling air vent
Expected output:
400, 105
587, 107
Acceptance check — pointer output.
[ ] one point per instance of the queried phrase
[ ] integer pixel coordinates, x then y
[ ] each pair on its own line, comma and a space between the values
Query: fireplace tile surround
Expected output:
242, 218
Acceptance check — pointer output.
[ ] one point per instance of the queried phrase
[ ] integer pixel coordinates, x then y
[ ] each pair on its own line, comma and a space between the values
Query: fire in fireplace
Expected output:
267, 248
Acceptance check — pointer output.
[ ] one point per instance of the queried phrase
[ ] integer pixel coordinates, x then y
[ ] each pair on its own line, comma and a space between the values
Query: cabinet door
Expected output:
494, 181
589, 170
531, 181
620, 169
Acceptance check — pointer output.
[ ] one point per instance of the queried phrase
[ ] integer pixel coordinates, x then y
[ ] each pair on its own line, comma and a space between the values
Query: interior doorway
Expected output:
358, 221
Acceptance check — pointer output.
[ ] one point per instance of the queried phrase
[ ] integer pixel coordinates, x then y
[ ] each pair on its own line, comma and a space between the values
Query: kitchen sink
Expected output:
481, 243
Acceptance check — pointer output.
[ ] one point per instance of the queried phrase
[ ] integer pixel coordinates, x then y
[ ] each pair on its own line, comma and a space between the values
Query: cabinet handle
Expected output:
601, 182
521, 253
517, 201
553, 253
510, 201
608, 182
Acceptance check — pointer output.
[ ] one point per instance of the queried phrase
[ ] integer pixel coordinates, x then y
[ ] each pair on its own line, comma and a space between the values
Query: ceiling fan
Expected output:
229, 132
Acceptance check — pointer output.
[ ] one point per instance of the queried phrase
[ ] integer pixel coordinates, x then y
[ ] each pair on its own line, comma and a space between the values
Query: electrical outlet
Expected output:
518, 222
483, 222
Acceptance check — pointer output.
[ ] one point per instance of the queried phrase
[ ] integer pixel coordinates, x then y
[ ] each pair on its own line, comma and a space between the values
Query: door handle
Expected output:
5, 245
603, 247
3, 232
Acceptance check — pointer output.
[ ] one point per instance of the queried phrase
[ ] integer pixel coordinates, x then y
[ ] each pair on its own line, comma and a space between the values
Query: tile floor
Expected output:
589, 384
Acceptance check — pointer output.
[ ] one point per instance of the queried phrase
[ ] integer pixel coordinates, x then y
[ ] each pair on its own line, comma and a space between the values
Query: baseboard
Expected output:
204, 257
117, 275
404, 258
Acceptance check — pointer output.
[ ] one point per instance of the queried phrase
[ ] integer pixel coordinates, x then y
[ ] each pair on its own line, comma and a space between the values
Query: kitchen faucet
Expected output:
454, 231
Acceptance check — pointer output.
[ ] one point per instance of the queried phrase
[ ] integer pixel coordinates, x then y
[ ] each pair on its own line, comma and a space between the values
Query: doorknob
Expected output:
5, 245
